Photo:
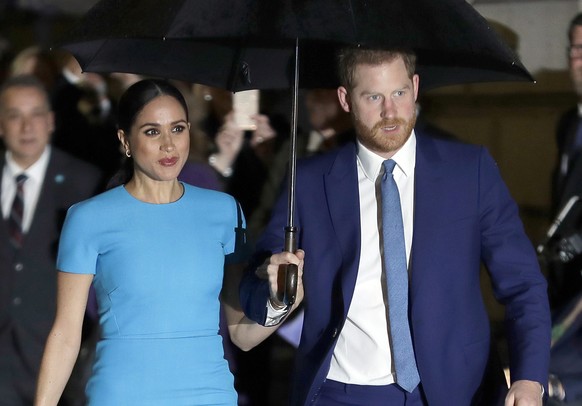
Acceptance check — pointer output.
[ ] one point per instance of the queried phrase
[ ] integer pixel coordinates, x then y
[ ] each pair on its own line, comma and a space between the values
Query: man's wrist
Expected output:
276, 312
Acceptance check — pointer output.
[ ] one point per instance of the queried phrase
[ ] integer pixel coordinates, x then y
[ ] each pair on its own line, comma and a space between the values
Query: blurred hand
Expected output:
264, 131
229, 141
524, 393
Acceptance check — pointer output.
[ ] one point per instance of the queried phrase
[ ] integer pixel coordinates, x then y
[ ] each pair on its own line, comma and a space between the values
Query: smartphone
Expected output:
245, 105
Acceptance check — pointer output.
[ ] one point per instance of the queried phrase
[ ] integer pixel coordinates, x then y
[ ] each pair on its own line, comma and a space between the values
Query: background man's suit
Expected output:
463, 214
28, 276
565, 279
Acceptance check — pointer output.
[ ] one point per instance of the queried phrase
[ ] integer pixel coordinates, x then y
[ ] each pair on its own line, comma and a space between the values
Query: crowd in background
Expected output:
251, 165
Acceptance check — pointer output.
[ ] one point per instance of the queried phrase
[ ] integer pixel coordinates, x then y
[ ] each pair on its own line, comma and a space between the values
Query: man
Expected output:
565, 279
33, 209
363, 341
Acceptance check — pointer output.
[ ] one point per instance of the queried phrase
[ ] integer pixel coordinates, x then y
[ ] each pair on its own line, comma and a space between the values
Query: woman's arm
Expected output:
245, 333
64, 340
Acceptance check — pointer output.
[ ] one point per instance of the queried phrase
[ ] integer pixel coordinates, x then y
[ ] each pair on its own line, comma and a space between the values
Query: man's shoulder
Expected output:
75, 175
323, 161
66, 161
447, 147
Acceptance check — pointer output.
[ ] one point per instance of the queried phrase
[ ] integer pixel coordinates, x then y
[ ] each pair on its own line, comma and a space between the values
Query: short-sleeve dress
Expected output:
158, 273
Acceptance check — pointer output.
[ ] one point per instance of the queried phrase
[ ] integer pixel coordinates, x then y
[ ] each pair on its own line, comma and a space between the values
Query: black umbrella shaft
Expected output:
291, 270
293, 146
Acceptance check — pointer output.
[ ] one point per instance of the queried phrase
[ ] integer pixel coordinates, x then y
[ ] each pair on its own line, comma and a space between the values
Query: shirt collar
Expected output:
36, 171
405, 158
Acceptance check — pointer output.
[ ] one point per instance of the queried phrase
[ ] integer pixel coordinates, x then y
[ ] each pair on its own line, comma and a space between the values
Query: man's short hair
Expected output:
576, 21
29, 81
350, 57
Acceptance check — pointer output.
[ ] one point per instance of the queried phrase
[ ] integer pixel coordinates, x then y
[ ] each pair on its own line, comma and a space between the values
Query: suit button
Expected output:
334, 333
18, 267
16, 301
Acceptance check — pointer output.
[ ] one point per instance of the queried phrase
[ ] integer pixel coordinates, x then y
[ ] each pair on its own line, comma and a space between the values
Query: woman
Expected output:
154, 249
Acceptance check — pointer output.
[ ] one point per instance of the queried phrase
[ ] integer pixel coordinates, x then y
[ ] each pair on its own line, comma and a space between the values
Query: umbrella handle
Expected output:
290, 293
291, 270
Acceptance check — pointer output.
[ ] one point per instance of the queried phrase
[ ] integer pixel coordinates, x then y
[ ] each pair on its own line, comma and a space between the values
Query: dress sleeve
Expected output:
77, 246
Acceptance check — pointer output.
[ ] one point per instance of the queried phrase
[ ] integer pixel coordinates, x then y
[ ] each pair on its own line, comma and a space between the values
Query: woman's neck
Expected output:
153, 191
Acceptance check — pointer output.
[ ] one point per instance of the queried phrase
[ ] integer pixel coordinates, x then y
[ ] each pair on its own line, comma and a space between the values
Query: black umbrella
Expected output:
269, 44
250, 44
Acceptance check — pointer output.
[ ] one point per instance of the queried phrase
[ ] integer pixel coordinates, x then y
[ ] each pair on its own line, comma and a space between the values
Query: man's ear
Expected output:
344, 98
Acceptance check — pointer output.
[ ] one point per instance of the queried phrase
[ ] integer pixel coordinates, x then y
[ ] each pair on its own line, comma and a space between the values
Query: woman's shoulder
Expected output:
210, 195
101, 200
212, 202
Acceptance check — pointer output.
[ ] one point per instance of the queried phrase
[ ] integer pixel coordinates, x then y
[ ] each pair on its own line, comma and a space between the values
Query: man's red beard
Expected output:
374, 140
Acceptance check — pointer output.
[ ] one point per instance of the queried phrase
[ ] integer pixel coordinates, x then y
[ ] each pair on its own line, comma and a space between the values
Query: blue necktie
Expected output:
397, 282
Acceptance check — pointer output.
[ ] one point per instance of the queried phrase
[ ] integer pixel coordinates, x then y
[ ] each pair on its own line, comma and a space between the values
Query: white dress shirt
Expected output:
362, 355
32, 186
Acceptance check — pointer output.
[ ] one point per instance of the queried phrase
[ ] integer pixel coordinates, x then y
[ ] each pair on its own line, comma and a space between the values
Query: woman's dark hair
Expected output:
138, 95
131, 103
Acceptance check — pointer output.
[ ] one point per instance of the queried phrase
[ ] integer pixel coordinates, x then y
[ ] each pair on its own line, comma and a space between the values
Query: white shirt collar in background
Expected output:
32, 187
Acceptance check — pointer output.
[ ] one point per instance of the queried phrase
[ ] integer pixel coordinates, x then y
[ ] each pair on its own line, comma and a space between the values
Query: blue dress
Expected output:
158, 274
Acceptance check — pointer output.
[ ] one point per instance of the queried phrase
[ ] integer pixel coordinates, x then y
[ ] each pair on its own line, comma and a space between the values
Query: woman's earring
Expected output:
127, 153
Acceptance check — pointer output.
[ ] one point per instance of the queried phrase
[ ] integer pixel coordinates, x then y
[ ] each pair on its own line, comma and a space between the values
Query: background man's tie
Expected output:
17, 213
397, 282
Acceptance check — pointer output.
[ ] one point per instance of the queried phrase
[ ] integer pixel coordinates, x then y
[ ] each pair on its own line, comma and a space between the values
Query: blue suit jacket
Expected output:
463, 214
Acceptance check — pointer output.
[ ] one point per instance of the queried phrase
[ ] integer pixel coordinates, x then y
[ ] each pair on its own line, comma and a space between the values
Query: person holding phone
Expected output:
244, 142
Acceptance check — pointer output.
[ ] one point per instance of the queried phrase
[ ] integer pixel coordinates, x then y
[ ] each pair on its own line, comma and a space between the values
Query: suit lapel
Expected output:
3, 224
427, 180
47, 200
341, 189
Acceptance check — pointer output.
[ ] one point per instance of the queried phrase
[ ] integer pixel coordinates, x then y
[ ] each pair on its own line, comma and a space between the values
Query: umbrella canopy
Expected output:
250, 44
266, 44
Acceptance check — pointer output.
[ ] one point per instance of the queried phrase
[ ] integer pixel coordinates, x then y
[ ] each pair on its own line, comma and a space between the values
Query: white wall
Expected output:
540, 25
